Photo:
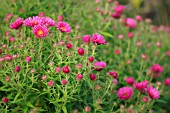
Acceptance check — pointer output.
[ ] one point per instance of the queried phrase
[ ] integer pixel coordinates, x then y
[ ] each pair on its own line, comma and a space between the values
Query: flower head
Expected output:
31, 22
17, 24
153, 92
125, 93
99, 65
40, 31
63, 27
167, 81
156, 70
141, 85
86, 39
130, 80
98, 39
130, 22
48, 21
119, 9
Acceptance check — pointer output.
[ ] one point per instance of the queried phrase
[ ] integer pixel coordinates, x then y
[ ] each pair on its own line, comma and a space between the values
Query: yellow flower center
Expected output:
63, 28
40, 32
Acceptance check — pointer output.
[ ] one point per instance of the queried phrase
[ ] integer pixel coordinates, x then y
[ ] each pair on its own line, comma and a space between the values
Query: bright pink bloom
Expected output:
125, 93
116, 15
44, 77
153, 92
28, 59
31, 22
130, 22
130, 35
86, 39
17, 68
138, 18
98, 39
48, 21
130, 80
115, 81
57, 69
8, 57
60, 18
17, 24
41, 14
117, 51
69, 45
80, 51
64, 81
113, 74
92, 77
66, 69
50, 83
63, 27
41, 31
79, 76
156, 70
141, 85
167, 81
5, 100
91, 59
119, 9
145, 99
2, 59
12, 39
99, 65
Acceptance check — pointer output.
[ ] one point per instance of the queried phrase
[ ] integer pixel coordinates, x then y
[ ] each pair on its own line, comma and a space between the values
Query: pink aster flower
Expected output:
119, 9
98, 39
86, 39
130, 80
156, 70
31, 22
17, 24
167, 81
125, 93
40, 31
153, 92
99, 65
63, 27
130, 22
141, 85
48, 21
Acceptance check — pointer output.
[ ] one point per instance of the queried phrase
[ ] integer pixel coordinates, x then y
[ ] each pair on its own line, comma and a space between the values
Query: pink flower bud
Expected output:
17, 68
92, 77
41, 14
117, 51
57, 69
44, 77
8, 57
7, 79
5, 100
138, 18
86, 39
80, 51
115, 81
28, 59
87, 109
91, 59
66, 69
60, 18
64, 81
167, 81
50, 83
130, 35
69, 46
130, 81
114, 74
79, 76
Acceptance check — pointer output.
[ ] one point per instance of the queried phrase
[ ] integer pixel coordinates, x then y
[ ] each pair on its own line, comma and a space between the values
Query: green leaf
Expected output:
30, 105
106, 34
64, 109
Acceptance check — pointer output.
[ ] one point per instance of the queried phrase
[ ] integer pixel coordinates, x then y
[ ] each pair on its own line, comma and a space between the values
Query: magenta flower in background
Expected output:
17, 24
131, 23
125, 93
156, 70
48, 21
119, 9
5, 100
153, 92
98, 39
167, 81
28, 59
63, 27
86, 39
50, 83
141, 85
130, 80
138, 18
99, 65
116, 15
31, 22
41, 31
113, 74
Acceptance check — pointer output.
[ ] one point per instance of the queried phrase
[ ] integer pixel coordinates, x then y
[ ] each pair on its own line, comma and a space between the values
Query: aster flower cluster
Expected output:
40, 25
